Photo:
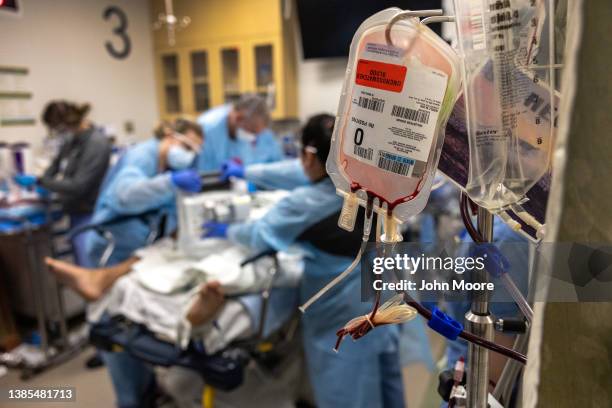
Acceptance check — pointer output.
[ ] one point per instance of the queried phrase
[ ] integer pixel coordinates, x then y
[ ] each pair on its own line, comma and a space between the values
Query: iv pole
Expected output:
479, 322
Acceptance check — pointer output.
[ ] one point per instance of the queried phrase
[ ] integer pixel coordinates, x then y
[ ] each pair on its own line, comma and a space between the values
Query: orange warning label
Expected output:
380, 75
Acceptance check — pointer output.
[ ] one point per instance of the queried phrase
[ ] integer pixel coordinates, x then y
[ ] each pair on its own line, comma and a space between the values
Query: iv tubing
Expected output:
367, 225
472, 338
516, 294
528, 219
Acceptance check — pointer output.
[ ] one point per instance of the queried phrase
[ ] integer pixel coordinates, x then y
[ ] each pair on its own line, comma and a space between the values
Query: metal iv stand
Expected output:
478, 319
479, 322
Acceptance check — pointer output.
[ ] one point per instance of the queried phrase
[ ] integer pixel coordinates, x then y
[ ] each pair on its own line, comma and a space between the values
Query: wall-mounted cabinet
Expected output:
230, 74
230, 48
199, 78
171, 83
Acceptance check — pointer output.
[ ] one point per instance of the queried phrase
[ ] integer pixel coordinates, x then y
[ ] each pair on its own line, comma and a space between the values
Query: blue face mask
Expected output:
180, 158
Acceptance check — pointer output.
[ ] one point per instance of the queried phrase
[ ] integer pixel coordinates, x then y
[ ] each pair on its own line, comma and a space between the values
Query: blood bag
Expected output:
510, 126
400, 86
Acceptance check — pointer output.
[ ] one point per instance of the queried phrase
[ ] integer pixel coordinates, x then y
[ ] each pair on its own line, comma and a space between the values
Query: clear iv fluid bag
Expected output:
394, 105
510, 126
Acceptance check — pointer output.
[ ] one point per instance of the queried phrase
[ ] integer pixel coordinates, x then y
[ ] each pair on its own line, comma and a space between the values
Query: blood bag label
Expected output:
393, 111
380, 75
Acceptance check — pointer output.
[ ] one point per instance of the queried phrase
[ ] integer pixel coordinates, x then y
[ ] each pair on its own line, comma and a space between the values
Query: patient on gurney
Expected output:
92, 284
176, 296
210, 302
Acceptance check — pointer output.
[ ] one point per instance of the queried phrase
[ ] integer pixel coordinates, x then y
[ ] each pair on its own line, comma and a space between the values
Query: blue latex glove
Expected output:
214, 229
187, 180
25, 180
232, 168
42, 192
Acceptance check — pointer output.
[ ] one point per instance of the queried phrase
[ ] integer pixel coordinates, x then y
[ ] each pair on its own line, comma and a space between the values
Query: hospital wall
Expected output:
62, 44
320, 85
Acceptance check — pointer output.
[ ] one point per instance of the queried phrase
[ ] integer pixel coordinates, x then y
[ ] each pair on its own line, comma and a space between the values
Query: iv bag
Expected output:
510, 127
395, 101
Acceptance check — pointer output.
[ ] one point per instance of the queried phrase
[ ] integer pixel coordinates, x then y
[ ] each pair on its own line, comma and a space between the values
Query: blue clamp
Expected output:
444, 324
495, 262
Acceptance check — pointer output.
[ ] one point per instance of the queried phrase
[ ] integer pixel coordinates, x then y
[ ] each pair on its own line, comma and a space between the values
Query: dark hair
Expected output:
64, 114
185, 125
163, 129
318, 133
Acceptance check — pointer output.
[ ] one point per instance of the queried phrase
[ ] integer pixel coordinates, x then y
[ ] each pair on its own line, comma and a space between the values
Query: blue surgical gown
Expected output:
364, 373
284, 175
133, 186
218, 147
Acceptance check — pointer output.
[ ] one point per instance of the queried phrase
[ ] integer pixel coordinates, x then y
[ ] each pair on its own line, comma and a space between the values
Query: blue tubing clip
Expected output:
444, 324
495, 262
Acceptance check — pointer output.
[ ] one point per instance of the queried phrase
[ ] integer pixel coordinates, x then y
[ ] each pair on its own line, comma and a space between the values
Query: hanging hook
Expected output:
438, 19
409, 14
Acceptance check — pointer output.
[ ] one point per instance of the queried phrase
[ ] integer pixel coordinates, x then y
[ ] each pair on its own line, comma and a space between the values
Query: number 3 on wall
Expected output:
120, 31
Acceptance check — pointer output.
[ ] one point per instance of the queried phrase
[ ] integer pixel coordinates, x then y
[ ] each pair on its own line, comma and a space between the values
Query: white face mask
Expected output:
245, 135
63, 136
180, 158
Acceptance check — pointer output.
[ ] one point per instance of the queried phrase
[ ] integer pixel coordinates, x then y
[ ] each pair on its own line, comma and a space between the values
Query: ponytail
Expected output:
62, 113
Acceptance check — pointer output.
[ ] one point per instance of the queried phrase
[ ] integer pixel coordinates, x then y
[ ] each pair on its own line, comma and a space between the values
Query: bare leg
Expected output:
89, 283
206, 304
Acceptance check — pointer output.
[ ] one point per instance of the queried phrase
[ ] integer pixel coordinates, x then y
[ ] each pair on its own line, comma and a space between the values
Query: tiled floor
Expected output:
420, 386
94, 390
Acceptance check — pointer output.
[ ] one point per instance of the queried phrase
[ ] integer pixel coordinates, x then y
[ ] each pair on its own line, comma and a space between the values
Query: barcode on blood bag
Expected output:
479, 39
414, 115
374, 104
365, 153
394, 163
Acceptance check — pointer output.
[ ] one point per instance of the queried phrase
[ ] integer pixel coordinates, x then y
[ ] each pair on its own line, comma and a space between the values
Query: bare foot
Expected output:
82, 280
206, 304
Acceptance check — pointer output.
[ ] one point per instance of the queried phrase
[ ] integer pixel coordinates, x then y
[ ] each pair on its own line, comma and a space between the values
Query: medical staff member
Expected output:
144, 181
77, 171
239, 131
366, 373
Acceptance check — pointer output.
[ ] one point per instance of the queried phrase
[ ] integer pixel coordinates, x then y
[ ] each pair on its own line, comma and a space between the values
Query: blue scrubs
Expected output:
132, 187
365, 373
79, 241
218, 147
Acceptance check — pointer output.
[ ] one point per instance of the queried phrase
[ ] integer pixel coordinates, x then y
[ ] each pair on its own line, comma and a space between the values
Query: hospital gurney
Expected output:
224, 369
